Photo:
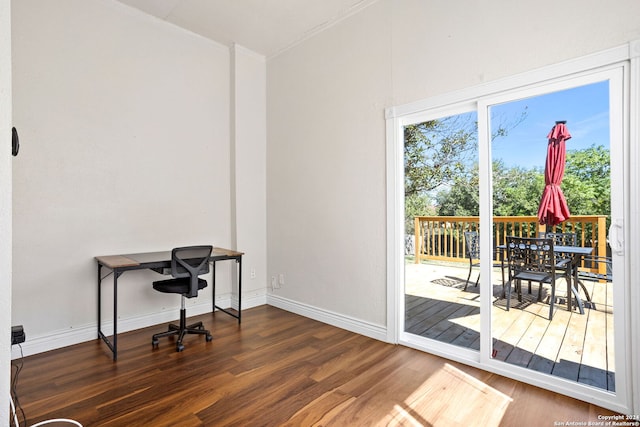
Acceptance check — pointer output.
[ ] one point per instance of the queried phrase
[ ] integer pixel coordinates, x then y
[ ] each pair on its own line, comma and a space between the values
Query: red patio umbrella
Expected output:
553, 207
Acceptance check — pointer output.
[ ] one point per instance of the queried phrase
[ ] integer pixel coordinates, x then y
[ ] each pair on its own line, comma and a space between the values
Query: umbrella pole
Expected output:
548, 224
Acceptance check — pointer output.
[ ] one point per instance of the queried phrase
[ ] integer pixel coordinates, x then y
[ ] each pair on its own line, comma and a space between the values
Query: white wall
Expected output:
326, 137
125, 137
5, 203
249, 163
325, 167
438, 49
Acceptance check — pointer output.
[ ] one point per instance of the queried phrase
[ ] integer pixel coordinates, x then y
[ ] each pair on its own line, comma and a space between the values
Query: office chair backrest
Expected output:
190, 261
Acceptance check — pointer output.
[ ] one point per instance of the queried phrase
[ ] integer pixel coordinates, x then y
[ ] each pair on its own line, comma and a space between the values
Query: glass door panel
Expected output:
564, 328
441, 226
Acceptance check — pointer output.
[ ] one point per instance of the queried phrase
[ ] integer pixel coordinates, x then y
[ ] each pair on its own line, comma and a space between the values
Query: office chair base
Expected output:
181, 330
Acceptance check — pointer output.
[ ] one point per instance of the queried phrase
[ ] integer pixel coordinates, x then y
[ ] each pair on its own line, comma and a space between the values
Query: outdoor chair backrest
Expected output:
563, 239
533, 256
472, 244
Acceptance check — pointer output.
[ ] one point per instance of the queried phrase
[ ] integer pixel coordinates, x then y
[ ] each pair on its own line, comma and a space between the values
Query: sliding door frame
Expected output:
625, 58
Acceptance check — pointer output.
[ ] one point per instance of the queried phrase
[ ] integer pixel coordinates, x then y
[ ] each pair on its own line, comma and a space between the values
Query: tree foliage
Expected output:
517, 190
416, 205
441, 174
587, 181
436, 152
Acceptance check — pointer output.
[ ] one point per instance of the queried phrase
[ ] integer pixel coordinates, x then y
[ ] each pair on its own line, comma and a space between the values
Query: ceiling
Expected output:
267, 27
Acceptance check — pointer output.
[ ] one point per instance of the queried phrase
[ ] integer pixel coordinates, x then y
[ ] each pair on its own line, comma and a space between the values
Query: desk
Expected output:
157, 261
576, 252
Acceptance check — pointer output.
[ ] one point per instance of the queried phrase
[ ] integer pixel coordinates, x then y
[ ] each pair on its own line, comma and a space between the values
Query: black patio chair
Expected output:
594, 261
531, 259
472, 249
563, 260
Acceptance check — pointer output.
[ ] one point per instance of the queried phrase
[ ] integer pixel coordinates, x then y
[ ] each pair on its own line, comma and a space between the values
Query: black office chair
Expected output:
187, 263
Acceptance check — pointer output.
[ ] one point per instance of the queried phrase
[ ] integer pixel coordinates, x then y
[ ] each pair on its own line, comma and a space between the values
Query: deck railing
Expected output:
442, 237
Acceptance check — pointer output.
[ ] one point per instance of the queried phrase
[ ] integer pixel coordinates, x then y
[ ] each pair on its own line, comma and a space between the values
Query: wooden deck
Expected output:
573, 346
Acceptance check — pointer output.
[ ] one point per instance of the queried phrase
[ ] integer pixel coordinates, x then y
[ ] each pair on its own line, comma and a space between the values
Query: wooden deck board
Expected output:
551, 342
595, 348
572, 346
449, 331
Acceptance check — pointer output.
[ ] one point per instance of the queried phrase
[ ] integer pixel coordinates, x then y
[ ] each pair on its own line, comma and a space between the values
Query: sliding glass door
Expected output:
473, 176
563, 145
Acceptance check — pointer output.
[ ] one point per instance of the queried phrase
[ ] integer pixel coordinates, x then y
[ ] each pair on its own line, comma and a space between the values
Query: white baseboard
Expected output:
67, 337
325, 316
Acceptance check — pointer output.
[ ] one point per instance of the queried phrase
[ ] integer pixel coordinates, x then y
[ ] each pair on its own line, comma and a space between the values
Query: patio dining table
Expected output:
577, 253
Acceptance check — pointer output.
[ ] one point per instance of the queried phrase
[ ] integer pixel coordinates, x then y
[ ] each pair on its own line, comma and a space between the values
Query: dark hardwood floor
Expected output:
275, 369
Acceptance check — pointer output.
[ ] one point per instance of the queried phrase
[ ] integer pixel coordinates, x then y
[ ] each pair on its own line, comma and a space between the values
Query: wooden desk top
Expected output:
116, 261
134, 260
225, 252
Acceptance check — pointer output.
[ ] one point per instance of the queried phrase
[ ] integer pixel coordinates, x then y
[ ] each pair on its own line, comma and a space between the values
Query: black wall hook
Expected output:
15, 142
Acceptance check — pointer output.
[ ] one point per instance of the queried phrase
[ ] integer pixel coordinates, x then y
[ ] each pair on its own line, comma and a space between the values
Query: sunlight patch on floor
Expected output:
450, 397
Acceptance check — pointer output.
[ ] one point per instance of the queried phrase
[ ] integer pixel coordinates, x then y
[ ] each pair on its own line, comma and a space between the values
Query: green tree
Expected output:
439, 154
512, 190
436, 151
517, 191
416, 205
462, 197
587, 181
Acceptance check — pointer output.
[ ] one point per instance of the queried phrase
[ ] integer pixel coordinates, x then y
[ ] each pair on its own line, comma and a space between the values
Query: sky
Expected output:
585, 108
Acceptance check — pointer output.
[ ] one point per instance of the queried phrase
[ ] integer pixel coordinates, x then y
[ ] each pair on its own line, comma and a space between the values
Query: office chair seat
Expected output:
187, 263
177, 286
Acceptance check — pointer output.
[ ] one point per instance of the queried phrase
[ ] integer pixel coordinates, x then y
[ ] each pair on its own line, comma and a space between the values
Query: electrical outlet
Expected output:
281, 279
253, 273
274, 283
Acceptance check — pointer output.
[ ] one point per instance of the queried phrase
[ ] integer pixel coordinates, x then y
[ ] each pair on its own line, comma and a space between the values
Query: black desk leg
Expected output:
239, 262
113, 345
115, 315
213, 286
99, 299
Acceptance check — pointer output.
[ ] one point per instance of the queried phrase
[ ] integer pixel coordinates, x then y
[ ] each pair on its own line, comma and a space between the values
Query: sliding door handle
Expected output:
616, 237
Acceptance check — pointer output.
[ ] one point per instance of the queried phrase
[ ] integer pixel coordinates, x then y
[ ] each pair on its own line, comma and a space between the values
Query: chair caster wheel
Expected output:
179, 347
209, 338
